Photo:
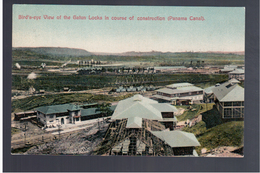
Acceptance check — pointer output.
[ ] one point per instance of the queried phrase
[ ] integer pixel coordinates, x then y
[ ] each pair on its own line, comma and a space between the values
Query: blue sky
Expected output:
222, 30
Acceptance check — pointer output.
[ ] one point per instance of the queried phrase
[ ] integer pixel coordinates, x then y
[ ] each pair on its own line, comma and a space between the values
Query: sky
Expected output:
222, 30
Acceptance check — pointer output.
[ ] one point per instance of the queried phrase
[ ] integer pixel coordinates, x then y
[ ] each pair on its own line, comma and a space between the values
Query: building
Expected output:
208, 94
169, 69
54, 115
228, 68
138, 107
238, 74
51, 116
138, 127
179, 93
90, 70
229, 99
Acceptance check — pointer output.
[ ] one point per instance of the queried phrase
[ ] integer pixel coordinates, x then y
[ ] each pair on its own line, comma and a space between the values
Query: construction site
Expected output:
138, 130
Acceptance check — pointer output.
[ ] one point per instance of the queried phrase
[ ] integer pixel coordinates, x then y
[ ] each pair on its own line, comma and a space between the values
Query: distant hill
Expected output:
156, 53
54, 51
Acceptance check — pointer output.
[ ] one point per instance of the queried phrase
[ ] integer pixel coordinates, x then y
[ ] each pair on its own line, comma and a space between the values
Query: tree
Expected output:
105, 110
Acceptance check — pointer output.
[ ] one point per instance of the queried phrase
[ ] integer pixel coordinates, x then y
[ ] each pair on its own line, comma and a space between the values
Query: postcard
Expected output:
139, 81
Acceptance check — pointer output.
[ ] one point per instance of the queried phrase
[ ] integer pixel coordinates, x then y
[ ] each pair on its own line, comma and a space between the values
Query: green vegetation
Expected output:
212, 118
197, 129
227, 134
211, 133
194, 110
30, 103
54, 81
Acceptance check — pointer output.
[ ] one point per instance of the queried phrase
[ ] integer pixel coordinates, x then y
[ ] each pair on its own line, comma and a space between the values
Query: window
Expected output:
51, 121
51, 116
77, 119
236, 103
227, 103
227, 113
236, 112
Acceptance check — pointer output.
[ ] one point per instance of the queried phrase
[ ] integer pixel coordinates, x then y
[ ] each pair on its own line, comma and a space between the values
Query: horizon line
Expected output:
187, 51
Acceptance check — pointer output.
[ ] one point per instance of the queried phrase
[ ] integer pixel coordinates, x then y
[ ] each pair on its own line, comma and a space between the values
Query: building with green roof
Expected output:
54, 115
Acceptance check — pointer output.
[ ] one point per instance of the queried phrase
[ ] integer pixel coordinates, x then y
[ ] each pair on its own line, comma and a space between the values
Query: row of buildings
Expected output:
229, 99
144, 126
234, 72
229, 96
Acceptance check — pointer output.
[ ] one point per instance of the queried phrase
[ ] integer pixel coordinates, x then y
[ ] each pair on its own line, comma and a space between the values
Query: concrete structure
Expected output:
179, 93
229, 99
238, 74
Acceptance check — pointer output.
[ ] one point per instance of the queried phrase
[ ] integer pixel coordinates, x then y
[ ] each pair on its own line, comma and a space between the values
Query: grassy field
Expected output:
226, 134
30, 103
211, 132
194, 111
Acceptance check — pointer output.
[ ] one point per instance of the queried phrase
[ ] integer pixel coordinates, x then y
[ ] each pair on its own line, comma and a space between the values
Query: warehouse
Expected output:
229, 99
140, 127
179, 94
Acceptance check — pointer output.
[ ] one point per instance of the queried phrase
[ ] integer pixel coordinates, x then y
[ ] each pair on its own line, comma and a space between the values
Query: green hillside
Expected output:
30, 103
226, 134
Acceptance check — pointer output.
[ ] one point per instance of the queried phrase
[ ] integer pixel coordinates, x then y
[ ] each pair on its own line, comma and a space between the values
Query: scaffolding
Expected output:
120, 140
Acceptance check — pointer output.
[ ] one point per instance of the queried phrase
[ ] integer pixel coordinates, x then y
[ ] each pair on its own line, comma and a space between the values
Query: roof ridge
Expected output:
125, 110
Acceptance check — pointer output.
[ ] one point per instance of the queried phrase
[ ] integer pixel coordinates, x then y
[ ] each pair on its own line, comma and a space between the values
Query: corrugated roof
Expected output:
177, 138
89, 104
209, 89
169, 119
137, 109
89, 111
233, 80
136, 106
185, 84
228, 92
165, 107
237, 71
179, 90
164, 97
134, 122
57, 108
